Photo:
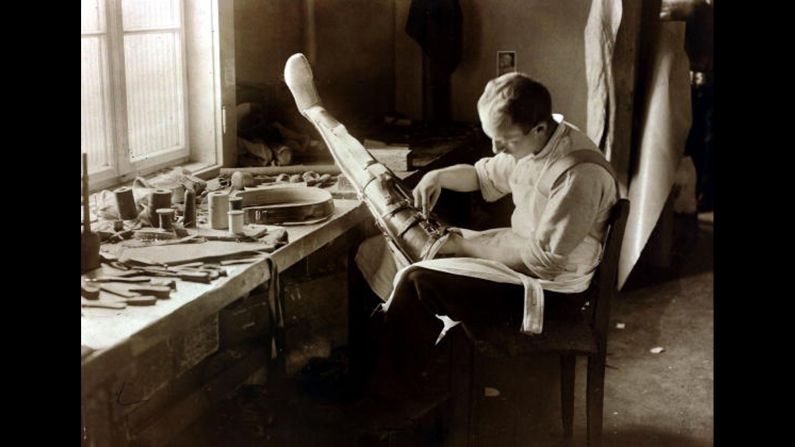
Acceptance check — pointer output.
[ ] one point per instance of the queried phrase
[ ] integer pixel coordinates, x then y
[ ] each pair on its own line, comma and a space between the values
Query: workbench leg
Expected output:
276, 357
363, 326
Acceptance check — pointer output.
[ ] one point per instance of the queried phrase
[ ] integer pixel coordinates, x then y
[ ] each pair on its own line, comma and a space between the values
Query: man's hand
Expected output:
427, 192
461, 178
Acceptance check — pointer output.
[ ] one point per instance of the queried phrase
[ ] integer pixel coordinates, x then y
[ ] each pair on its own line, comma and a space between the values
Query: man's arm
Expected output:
461, 178
569, 215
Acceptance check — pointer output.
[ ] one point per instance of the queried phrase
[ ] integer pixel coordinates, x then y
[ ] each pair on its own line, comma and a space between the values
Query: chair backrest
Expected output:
605, 278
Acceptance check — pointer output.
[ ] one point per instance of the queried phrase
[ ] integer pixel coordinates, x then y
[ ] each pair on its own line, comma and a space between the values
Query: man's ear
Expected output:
541, 128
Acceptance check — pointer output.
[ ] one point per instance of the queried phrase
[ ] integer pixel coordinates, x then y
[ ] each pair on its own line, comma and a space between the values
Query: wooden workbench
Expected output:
153, 369
121, 338
115, 334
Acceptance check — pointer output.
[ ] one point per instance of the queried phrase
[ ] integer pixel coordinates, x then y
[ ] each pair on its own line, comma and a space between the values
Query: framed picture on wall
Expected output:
506, 62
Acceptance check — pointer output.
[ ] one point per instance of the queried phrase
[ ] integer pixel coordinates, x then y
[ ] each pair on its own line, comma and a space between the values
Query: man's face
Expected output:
512, 140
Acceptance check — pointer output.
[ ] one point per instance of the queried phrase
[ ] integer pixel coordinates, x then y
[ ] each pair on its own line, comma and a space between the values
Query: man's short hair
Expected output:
515, 98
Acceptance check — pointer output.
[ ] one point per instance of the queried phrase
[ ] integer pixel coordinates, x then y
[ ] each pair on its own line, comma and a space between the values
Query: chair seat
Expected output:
572, 337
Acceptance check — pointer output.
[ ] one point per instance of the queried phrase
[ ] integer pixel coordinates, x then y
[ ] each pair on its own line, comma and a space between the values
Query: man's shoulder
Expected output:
590, 171
585, 167
579, 140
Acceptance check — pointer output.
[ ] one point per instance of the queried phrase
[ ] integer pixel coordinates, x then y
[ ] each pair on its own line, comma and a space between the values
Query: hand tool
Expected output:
209, 267
202, 277
161, 292
104, 304
147, 300
201, 267
165, 282
118, 265
189, 264
221, 272
89, 242
127, 279
211, 274
129, 273
193, 276
121, 236
240, 261
116, 290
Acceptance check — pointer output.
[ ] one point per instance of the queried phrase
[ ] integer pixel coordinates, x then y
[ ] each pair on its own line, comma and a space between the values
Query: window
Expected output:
137, 105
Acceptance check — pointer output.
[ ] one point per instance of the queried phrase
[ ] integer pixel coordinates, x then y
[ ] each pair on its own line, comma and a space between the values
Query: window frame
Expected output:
207, 49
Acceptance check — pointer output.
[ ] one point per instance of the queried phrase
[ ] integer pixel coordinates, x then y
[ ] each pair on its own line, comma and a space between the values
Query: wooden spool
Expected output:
189, 218
166, 218
125, 203
158, 198
218, 207
235, 203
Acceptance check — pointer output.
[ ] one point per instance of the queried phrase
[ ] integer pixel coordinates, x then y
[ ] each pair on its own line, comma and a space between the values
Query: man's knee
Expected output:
425, 286
413, 287
420, 278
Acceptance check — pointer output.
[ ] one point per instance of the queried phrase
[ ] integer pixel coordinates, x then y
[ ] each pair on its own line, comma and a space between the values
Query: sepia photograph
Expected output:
397, 223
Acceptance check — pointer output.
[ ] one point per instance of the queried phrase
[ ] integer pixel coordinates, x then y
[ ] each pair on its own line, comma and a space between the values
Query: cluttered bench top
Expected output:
166, 266
114, 328
114, 335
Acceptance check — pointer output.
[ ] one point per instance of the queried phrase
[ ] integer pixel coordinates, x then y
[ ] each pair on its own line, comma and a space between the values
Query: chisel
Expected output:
161, 292
126, 279
166, 282
116, 290
193, 276
104, 304
141, 301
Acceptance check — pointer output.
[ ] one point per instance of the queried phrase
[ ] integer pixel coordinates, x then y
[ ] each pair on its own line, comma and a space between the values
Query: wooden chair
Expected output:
582, 332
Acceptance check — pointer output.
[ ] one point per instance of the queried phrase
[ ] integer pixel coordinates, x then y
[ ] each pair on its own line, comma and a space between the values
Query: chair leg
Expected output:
460, 384
595, 398
567, 363
475, 385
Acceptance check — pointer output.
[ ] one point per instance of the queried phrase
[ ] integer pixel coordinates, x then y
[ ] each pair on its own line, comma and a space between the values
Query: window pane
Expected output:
94, 106
92, 16
155, 111
139, 14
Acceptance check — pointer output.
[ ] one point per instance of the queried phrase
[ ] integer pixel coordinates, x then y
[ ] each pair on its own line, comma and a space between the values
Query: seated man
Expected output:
556, 231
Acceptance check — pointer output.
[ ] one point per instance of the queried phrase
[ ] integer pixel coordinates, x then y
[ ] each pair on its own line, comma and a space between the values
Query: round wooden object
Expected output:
218, 206
125, 203
158, 198
286, 204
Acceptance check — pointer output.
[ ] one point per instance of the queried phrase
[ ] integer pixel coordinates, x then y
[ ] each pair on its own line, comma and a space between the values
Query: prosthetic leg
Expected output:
412, 235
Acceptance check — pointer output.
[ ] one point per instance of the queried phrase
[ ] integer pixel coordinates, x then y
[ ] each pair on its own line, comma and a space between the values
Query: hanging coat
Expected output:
436, 26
